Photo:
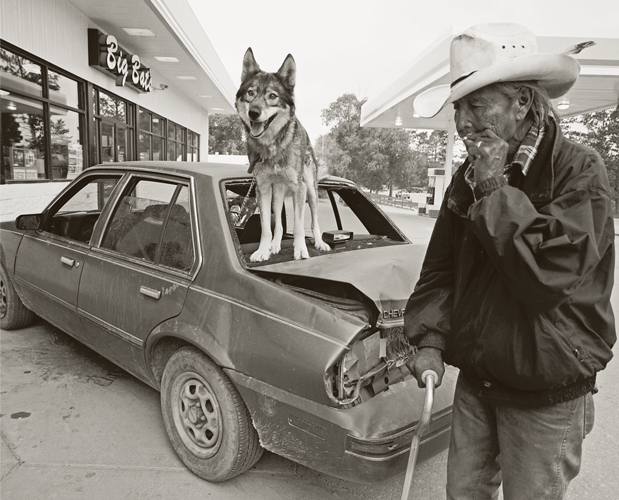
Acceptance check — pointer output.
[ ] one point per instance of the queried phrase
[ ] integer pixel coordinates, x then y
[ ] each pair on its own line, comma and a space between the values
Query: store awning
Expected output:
596, 89
167, 29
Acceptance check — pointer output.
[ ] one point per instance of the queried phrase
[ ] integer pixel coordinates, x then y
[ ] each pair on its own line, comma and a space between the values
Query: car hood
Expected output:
386, 275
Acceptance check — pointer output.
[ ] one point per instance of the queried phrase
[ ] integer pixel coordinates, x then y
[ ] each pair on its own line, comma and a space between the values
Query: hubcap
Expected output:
197, 415
3, 299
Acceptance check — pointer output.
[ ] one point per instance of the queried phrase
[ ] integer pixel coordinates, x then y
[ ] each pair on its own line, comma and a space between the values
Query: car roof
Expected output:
216, 171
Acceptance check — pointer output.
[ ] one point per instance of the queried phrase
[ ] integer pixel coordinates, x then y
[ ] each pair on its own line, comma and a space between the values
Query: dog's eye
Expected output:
251, 93
272, 96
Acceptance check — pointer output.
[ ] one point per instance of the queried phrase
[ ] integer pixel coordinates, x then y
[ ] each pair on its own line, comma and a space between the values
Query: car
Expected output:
147, 263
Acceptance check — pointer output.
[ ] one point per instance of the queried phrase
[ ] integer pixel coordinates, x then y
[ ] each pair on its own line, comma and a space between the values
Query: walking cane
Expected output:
429, 377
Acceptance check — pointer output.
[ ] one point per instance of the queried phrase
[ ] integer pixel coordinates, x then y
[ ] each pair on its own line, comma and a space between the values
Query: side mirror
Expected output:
28, 221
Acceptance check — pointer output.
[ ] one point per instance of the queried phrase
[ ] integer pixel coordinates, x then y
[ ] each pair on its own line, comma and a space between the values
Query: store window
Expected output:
42, 120
176, 142
193, 147
152, 139
113, 139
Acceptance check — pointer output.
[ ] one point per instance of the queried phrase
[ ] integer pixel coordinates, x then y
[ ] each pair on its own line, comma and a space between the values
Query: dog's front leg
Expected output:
279, 191
264, 192
298, 200
312, 198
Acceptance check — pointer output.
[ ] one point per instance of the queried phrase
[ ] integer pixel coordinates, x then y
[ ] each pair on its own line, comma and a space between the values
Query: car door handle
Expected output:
67, 261
149, 292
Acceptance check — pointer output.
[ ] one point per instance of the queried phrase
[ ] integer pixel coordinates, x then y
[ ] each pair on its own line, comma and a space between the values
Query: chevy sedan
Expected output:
148, 264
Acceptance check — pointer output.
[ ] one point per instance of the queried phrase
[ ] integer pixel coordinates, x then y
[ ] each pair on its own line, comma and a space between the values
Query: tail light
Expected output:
370, 367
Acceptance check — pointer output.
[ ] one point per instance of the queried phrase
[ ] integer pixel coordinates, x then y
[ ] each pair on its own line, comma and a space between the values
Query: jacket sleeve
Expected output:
427, 316
545, 254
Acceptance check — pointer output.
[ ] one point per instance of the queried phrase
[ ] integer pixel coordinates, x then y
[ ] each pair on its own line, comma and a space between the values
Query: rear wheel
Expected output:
206, 419
13, 313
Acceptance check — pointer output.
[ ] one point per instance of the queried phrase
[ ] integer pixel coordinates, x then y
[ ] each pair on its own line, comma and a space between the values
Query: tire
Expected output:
13, 313
227, 444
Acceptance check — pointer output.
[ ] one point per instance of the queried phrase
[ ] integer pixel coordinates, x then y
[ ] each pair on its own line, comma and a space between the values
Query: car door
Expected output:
139, 274
50, 261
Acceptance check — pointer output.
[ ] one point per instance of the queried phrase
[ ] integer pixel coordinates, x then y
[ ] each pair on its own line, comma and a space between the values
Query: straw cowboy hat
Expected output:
499, 52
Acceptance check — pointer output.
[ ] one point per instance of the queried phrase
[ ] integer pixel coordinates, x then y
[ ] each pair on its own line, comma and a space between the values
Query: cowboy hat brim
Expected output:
556, 73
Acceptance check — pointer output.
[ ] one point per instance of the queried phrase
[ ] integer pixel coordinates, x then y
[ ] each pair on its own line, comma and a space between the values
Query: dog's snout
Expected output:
254, 113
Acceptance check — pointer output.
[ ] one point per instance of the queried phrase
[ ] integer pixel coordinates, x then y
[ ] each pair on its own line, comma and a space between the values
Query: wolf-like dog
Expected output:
280, 154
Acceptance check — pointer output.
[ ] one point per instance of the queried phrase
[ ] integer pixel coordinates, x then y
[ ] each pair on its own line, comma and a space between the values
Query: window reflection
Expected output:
22, 139
19, 74
111, 107
62, 90
67, 153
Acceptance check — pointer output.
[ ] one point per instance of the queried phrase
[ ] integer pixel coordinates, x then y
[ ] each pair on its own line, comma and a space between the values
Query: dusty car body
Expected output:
147, 264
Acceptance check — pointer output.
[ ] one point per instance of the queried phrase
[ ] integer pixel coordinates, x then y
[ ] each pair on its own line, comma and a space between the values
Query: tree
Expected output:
226, 135
372, 157
600, 131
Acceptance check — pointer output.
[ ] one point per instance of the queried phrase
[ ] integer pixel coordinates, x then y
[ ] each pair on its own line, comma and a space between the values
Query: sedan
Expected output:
147, 263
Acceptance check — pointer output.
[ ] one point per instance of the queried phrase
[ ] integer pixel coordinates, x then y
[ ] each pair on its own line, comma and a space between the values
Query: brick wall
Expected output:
16, 199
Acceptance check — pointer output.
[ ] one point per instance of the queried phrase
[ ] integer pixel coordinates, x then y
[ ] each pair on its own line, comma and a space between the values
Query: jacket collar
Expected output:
537, 184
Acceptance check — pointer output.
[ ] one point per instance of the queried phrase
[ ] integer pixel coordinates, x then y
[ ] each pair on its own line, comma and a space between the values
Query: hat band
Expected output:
458, 80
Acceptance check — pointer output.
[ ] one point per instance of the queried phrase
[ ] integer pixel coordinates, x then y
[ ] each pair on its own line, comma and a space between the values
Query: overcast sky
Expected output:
362, 46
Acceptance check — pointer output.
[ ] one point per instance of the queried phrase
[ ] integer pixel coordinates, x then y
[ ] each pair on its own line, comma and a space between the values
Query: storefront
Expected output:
84, 82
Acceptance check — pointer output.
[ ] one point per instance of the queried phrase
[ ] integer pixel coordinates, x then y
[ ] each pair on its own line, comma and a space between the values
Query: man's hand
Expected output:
488, 154
427, 358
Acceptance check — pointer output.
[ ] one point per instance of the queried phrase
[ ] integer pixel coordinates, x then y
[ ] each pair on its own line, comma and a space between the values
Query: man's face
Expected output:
487, 108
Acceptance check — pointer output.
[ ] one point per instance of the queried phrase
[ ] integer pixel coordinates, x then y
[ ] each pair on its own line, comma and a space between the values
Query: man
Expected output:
515, 287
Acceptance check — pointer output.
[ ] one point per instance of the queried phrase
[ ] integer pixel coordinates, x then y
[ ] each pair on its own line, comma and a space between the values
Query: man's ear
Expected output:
288, 72
250, 66
525, 101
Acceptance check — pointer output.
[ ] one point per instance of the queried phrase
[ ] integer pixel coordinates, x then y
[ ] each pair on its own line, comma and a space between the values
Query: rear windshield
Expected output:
348, 221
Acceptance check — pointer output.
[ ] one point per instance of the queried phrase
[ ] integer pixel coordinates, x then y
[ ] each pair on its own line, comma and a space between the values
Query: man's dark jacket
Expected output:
515, 287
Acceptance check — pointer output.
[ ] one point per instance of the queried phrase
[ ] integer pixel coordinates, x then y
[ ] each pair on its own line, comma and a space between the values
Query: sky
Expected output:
362, 46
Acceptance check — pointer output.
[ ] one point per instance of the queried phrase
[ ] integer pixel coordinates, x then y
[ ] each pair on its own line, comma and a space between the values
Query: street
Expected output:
75, 426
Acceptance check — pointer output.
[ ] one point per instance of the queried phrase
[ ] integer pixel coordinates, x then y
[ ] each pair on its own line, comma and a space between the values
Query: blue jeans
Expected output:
534, 453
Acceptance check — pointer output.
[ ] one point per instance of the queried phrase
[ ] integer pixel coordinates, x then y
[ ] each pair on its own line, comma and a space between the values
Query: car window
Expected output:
76, 213
326, 214
152, 222
177, 247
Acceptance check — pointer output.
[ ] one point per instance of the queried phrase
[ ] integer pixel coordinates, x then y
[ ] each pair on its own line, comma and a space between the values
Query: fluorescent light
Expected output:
563, 104
139, 32
11, 106
217, 109
415, 115
4, 92
206, 96
398, 121
186, 77
167, 59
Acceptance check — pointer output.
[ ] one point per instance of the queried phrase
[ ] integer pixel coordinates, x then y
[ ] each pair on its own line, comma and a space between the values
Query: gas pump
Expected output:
436, 188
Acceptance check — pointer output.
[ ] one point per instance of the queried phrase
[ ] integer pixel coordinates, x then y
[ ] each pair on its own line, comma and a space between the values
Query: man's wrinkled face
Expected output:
487, 108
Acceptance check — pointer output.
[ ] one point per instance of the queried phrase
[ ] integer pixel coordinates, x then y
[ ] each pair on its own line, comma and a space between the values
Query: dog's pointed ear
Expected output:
250, 66
288, 72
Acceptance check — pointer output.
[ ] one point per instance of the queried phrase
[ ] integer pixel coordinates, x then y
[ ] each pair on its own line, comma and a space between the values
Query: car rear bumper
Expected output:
367, 443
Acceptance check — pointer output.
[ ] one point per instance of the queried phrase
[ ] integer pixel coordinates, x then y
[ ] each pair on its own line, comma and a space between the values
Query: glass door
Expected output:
108, 149
115, 142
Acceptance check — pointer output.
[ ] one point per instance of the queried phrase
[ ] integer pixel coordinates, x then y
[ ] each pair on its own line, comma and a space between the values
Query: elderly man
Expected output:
516, 283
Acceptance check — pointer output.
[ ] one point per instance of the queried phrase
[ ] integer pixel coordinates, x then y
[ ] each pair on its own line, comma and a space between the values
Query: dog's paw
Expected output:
275, 248
301, 253
259, 256
322, 246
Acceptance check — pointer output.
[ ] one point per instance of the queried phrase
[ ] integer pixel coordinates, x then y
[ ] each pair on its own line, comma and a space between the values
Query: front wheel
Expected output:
13, 313
205, 418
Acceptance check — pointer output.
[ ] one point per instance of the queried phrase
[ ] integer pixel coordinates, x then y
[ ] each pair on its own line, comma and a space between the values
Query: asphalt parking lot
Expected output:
75, 426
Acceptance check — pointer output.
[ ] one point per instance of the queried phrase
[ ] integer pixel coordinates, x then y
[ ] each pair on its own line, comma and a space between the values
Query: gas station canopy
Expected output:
597, 87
